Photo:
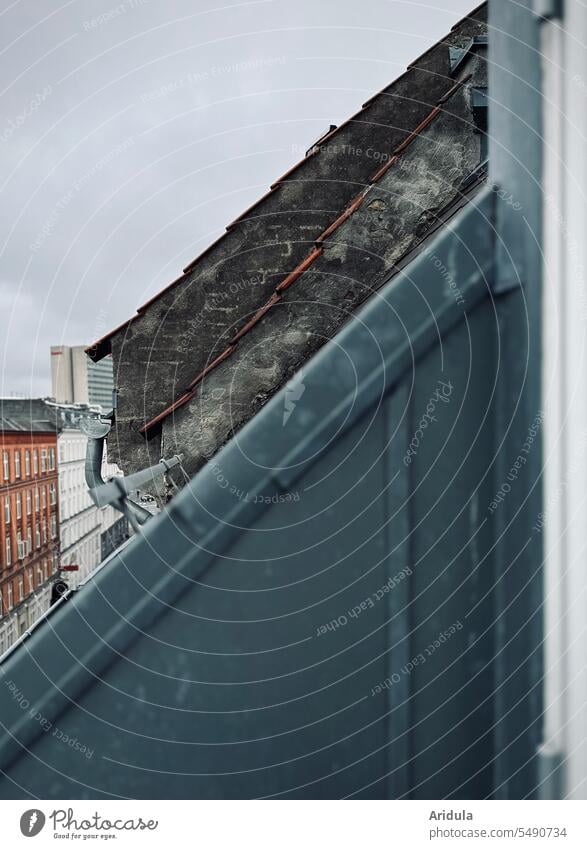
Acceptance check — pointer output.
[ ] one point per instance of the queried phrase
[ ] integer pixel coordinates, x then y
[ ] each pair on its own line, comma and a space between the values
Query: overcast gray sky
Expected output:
132, 133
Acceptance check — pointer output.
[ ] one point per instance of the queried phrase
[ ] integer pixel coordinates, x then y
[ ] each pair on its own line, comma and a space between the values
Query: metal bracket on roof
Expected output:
459, 54
316, 145
475, 175
479, 107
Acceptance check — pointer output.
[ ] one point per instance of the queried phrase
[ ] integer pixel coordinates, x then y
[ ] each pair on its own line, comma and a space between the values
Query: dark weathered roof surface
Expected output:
306, 263
203, 356
30, 415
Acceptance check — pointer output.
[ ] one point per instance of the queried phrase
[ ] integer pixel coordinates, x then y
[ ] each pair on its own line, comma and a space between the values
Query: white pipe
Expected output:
564, 385
575, 374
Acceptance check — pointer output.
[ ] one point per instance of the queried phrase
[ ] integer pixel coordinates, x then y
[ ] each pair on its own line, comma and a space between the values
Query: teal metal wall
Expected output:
342, 604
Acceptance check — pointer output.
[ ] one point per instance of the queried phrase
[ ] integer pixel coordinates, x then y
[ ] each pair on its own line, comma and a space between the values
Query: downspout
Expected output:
136, 514
551, 522
564, 749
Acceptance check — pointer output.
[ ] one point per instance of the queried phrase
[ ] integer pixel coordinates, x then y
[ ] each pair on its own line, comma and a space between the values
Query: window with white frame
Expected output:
35, 462
20, 588
44, 497
8, 552
9, 596
40, 577
37, 535
27, 463
17, 464
53, 527
28, 502
7, 509
37, 499
51, 459
44, 531
52, 494
6, 464
18, 505
29, 539
43, 460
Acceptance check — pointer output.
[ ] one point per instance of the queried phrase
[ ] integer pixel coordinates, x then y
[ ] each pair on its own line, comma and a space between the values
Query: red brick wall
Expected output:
35, 474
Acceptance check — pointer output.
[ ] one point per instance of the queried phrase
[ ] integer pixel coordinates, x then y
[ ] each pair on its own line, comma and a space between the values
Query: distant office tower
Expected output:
75, 379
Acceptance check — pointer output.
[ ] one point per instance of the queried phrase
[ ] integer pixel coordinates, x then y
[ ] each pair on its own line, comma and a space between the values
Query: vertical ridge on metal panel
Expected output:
397, 539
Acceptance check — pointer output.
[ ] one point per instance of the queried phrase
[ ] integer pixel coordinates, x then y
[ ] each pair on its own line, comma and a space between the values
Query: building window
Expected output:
53, 527
44, 531
35, 462
52, 494
43, 460
28, 502
20, 546
20, 588
17, 464
27, 463
8, 552
51, 459
9, 596
7, 509
44, 497
6, 462
36, 499
37, 536
40, 577
29, 540
18, 505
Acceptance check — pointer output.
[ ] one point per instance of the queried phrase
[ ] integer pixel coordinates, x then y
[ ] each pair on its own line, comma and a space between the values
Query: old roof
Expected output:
26, 415
290, 270
101, 347
315, 252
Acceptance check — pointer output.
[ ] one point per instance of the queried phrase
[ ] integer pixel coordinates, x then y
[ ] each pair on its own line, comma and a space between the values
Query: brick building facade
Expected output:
29, 523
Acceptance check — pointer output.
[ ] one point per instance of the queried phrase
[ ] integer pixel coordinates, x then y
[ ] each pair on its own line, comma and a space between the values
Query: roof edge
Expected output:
263, 459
